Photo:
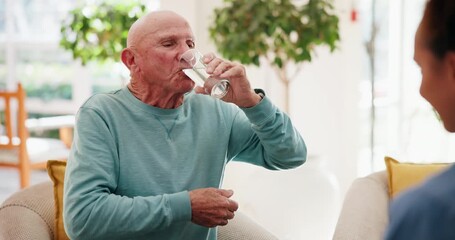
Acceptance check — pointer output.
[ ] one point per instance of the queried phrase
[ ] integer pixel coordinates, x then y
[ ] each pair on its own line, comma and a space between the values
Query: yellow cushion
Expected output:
404, 175
56, 170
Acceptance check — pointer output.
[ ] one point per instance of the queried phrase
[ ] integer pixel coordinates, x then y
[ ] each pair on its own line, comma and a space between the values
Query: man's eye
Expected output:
168, 44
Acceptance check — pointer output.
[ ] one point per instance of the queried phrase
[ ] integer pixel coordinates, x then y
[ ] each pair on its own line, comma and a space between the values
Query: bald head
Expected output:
153, 23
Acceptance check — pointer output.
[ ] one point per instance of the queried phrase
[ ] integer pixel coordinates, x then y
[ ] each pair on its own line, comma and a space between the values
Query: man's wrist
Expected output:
255, 99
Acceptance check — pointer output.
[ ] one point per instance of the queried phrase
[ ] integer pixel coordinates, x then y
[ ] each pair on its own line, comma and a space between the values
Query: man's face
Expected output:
437, 86
159, 54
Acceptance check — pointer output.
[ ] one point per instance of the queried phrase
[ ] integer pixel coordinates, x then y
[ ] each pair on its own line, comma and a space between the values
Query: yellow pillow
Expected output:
405, 175
56, 170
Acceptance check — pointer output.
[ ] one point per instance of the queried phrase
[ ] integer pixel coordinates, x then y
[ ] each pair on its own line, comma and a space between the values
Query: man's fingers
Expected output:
223, 222
230, 215
235, 70
226, 193
222, 67
233, 205
212, 64
208, 57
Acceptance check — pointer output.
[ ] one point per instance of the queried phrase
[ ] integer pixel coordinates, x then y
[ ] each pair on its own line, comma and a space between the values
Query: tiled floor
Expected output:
9, 181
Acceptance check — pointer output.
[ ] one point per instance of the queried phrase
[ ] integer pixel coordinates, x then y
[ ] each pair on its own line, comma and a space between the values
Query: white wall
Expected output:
325, 100
324, 97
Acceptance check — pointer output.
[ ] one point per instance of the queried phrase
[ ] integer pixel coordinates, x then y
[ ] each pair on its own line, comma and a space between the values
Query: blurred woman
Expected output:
428, 211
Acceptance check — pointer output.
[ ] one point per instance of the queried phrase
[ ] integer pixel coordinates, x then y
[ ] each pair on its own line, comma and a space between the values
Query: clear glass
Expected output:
197, 72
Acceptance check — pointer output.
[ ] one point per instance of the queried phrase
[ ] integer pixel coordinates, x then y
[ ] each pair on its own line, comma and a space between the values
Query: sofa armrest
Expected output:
28, 214
22, 223
364, 214
243, 228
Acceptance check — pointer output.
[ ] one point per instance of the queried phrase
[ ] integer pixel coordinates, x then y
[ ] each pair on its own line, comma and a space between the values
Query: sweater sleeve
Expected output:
263, 135
92, 210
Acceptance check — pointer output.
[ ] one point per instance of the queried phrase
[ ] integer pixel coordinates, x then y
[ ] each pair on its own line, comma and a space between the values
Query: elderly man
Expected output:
148, 160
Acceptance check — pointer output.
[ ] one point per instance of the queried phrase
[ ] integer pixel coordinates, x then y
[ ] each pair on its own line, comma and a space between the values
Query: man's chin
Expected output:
188, 86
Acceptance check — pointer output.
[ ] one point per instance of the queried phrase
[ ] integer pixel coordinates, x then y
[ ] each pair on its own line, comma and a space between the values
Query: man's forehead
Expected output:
160, 25
163, 35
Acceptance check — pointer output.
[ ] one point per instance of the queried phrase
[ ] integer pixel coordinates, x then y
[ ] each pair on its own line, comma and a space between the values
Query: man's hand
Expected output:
212, 207
240, 92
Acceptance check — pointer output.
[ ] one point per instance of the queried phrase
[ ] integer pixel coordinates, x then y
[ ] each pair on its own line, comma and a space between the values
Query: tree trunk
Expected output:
286, 96
282, 75
285, 80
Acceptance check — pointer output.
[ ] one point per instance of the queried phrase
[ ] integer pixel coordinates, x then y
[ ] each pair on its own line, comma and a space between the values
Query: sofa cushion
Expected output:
243, 228
56, 170
402, 175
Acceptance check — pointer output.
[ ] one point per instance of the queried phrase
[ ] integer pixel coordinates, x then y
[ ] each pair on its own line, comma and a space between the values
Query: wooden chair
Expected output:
17, 148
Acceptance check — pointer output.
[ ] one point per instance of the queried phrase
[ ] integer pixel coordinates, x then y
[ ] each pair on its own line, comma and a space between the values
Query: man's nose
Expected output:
182, 51
187, 58
185, 47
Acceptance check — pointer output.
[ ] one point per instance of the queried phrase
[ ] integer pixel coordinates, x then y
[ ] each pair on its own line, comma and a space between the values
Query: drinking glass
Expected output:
197, 72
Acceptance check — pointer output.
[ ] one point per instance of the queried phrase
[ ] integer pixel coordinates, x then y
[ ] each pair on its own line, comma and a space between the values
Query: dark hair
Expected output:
439, 18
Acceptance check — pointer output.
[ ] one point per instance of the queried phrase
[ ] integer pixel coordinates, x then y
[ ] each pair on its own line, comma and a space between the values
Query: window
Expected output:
405, 125
30, 53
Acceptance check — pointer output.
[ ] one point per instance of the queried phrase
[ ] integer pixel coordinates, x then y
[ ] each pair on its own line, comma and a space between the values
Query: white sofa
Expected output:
29, 214
364, 214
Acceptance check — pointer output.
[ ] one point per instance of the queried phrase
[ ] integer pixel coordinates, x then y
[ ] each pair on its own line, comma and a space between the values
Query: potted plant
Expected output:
279, 31
98, 30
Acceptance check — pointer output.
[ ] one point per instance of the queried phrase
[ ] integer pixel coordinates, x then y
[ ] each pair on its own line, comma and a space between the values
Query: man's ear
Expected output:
128, 58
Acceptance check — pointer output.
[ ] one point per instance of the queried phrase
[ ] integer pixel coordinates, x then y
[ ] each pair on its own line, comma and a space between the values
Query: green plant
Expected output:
98, 30
277, 30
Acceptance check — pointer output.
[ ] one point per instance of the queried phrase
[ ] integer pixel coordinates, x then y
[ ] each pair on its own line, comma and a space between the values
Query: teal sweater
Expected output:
131, 165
